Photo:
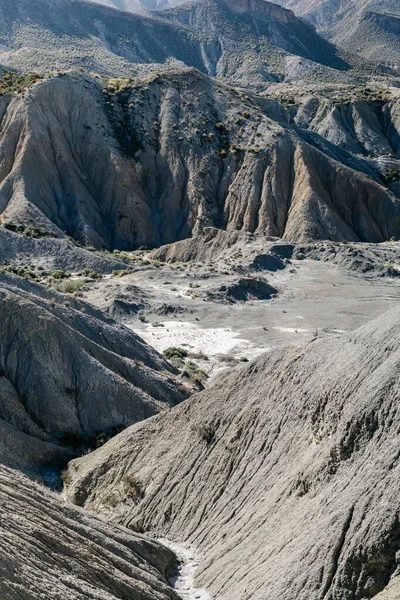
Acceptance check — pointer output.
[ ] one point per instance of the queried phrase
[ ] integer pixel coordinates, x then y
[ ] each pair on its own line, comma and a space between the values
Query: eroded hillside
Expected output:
51, 550
251, 42
157, 159
285, 474
69, 374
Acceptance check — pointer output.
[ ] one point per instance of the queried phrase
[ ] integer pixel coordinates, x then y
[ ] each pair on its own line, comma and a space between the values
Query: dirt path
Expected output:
183, 582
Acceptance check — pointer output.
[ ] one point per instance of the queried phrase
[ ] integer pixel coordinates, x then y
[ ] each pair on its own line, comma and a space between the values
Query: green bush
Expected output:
60, 274
133, 487
206, 432
174, 352
69, 286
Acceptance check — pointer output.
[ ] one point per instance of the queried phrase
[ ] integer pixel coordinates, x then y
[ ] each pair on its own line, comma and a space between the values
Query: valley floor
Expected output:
314, 299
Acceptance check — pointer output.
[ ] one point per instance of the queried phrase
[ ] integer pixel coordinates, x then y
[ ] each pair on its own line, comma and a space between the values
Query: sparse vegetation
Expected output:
27, 230
194, 372
392, 174
206, 432
13, 82
22, 271
69, 286
174, 352
133, 488
66, 477
60, 274
122, 272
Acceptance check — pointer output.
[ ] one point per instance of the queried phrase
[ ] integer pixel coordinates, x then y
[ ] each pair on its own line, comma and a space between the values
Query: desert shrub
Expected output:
198, 355
10, 226
21, 271
133, 487
69, 286
392, 174
122, 272
174, 352
26, 230
60, 274
15, 82
206, 432
91, 273
66, 477
194, 372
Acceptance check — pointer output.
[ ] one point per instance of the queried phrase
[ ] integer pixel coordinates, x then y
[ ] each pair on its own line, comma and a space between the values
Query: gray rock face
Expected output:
66, 375
158, 159
50, 550
285, 474
363, 122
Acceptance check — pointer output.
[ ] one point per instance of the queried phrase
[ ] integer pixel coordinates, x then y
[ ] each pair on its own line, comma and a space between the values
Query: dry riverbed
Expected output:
314, 299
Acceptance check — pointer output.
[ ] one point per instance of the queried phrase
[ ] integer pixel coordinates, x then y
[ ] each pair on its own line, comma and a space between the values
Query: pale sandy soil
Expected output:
314, 299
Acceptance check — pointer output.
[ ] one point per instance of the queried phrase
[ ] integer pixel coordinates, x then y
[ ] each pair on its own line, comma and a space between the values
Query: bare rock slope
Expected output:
285, 474
50, 550
67, 375
157, 159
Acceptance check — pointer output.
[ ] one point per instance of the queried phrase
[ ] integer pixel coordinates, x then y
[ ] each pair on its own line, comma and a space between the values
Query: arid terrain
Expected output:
199, 300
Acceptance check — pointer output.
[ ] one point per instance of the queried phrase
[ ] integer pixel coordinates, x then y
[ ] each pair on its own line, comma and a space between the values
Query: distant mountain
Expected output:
333, 14
376, 36
138, 6
368, 27
241, 39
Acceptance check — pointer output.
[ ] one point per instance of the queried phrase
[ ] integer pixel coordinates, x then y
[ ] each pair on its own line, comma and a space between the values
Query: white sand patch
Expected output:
183, 583
292, 329
211, 342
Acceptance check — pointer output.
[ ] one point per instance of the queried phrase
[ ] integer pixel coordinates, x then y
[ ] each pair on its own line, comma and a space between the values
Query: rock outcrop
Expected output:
68, 373
158, 159
251, 252
50, 550
285, 474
